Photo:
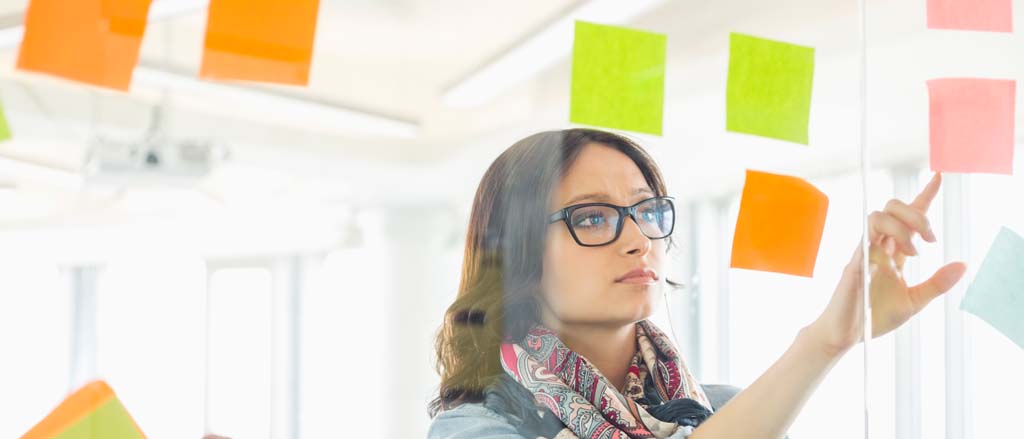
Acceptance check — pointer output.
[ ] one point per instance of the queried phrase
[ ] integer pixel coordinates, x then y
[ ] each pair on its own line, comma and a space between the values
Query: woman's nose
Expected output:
633, 239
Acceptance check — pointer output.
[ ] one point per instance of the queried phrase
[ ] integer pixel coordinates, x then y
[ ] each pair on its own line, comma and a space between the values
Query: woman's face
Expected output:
584, 285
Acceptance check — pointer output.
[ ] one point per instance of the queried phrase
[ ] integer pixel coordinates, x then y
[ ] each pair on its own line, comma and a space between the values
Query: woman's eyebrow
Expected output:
602, 197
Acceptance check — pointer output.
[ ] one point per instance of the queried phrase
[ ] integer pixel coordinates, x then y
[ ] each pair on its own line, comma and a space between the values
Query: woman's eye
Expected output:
590, 220
650, 215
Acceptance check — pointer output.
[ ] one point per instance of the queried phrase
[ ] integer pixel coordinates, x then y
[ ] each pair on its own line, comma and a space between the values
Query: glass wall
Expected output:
293, 283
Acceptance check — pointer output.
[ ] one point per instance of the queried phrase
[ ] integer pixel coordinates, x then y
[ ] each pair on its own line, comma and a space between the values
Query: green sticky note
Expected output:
769, 88
5, 130
110, 420
997, 293
618, 78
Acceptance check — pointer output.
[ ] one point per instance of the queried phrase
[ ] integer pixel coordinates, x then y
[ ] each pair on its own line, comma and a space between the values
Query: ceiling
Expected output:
397, 57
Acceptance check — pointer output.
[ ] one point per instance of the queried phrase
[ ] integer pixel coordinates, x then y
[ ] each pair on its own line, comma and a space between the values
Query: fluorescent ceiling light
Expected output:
284, 107
539, 51
10, 37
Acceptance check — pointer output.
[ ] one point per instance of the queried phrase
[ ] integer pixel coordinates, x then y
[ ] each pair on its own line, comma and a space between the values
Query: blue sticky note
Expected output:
997, 293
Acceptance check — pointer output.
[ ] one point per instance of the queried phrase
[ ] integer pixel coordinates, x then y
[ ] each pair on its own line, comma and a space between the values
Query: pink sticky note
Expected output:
971, 125
983, 15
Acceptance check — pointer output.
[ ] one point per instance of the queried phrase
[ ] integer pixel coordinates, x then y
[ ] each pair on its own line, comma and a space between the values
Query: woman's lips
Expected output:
638, 280
639, 276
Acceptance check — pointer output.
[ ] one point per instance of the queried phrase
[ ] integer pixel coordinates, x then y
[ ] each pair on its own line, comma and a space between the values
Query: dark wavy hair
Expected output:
502, 261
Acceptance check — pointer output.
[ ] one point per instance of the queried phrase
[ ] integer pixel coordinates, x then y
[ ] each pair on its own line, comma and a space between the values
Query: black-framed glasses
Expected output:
597, 224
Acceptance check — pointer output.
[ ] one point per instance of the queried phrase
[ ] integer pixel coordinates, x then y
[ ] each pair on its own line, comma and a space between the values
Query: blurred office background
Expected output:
290, 285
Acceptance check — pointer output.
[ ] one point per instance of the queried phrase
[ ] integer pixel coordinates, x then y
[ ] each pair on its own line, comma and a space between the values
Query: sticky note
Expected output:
769, 88
780, 224
971, 125
980, 15
91, 41
618, 78
260, 40
92, 412
997, 293
5, 128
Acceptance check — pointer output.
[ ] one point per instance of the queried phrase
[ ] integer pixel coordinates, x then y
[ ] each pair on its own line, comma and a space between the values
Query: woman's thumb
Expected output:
940, 282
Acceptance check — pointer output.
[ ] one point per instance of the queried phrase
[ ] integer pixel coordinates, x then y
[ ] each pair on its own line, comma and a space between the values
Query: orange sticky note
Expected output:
780, 225
980, 15
91, 41
971, 125
260, 40
92, 412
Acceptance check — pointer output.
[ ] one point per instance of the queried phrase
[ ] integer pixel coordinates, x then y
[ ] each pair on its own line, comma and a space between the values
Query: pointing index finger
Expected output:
924, 199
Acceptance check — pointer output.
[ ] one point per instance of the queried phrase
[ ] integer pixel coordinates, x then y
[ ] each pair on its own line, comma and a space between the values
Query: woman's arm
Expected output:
768, 407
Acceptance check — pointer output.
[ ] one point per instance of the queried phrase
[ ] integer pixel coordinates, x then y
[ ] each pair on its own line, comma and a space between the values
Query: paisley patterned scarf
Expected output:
587, 403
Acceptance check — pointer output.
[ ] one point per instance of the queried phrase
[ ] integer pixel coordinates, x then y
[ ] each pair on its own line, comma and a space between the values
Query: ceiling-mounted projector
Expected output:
151, 161
155, 159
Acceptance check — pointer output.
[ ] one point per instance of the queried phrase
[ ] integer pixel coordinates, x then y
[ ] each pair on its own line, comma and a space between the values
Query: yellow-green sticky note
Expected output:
5, 129
618, 78
91, 412
769, 88
997, 293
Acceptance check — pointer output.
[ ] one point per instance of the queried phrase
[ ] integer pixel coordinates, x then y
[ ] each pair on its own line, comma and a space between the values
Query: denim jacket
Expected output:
477, 421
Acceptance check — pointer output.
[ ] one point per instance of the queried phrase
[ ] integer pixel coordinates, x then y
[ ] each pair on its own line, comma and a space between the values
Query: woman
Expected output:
564, 258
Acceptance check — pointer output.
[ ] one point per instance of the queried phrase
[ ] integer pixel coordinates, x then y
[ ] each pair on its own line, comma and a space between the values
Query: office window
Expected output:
345, 328
150, 339
35, 338
240, 352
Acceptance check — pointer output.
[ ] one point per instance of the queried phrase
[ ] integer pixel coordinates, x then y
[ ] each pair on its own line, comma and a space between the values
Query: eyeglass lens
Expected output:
596, 225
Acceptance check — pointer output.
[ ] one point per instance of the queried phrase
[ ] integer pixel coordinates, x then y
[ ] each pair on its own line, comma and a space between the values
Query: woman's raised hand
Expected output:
891, 231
